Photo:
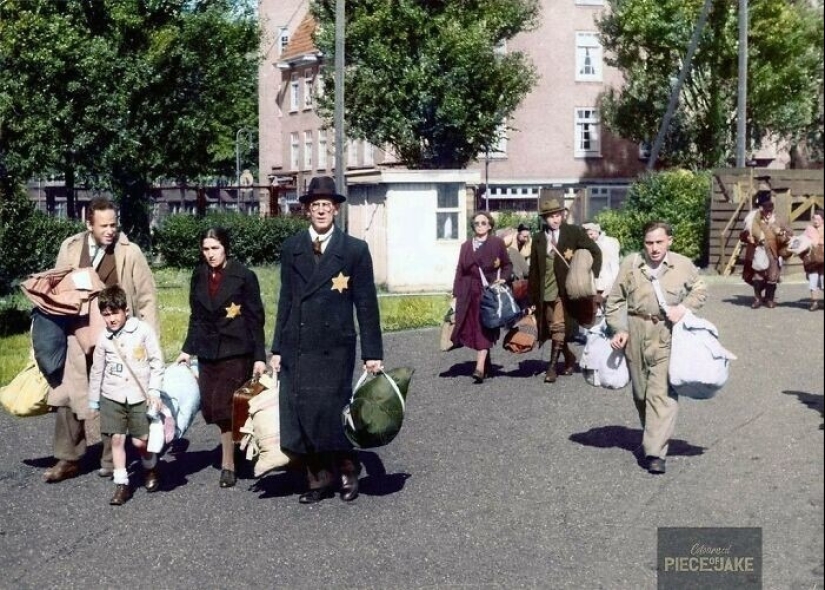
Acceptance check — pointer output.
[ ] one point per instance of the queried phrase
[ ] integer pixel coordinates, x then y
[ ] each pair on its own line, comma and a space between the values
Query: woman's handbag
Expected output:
523, 336
760, 261
498, 306
375, 413
447, 326
26, 394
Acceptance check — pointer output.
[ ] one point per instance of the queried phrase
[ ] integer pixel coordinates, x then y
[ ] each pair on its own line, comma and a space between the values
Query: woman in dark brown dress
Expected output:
487, 252
226, 333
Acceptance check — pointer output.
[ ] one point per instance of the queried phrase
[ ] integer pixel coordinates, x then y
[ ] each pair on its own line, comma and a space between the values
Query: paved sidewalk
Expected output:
507, 484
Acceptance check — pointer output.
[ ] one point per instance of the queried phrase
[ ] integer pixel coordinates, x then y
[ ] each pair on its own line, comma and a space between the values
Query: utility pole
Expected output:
742, 104
340, 63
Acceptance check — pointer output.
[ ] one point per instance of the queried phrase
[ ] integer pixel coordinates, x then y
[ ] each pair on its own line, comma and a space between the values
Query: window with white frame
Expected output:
283, 41
352, 154
323, 158
588, 57
588, 133
308, 136
309, 82
589, 2
447, 211
294, 93
601, 198
294, 152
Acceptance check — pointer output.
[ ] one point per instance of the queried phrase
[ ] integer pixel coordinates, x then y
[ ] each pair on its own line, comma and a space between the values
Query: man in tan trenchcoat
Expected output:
643, 327
117, 262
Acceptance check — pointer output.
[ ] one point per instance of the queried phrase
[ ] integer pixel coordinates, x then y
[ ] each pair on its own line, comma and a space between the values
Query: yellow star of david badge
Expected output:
139, 353
568, 254
340, 282
233, 311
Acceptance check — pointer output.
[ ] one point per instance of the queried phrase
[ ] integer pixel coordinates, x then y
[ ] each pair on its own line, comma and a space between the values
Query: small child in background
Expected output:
125, 381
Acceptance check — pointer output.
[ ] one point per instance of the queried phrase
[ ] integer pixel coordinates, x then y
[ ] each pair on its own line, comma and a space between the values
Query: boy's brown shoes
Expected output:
122, 494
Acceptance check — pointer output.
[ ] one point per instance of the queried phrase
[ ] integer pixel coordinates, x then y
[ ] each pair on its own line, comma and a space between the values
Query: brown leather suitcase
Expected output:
240, 406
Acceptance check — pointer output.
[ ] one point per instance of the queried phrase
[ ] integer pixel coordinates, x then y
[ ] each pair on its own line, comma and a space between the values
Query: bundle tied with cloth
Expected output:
63, 300
374, 416
261, 431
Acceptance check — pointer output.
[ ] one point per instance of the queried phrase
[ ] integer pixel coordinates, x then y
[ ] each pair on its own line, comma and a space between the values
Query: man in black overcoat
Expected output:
325, 274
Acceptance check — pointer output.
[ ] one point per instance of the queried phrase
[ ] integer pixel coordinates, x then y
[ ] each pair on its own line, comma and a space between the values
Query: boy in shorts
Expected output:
125, 381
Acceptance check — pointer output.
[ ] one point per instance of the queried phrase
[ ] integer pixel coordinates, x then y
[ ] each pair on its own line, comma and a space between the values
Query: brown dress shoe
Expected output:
151, 480
122, 494
757, 303
770, 304
62, 470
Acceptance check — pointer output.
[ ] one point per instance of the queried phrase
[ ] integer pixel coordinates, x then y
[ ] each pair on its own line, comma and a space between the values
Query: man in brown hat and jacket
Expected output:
550, 257
117, 262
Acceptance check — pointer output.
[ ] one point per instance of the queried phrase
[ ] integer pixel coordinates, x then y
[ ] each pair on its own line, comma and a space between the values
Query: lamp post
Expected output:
340, 62
246, 132
742, 102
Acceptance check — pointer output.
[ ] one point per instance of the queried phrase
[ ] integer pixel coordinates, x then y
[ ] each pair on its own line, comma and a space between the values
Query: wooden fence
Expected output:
796, 194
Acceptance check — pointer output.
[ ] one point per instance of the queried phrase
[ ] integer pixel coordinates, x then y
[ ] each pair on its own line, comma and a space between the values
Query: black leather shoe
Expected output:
315, 496
478, 377
349, 488
228, 479
151, 480
656, 465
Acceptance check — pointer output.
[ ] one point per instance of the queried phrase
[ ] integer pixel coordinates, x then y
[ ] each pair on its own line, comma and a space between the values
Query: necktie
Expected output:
316, 247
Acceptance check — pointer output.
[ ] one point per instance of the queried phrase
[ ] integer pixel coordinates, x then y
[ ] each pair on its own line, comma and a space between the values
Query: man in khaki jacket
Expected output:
642, 326
118, 262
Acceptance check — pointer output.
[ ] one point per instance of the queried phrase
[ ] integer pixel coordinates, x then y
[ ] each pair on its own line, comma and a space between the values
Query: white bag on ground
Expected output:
699, 364
181, 395
601, 365
262, 431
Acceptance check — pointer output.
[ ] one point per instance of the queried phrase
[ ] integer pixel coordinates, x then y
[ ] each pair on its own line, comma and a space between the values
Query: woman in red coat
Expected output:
487, 252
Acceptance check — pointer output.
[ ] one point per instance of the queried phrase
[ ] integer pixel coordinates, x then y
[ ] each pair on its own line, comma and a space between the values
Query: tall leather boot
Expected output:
770, 293
569, 360
550, 375
757, 294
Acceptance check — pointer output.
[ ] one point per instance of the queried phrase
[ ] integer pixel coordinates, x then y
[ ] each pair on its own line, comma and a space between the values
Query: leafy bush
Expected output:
677, 197
513, 219
29, 239
254, 241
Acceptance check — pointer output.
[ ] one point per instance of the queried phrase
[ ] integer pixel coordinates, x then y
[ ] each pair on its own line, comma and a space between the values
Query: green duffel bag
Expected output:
375, 413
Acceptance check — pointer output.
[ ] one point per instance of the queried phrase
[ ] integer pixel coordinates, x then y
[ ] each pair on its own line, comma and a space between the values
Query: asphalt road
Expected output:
507, 484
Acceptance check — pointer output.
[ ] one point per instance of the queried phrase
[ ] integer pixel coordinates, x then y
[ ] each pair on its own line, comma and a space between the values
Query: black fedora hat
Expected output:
321, 187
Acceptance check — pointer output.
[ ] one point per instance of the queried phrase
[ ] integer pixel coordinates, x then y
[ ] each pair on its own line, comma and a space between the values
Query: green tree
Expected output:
677, 197
117, 93
647, 41
428, 78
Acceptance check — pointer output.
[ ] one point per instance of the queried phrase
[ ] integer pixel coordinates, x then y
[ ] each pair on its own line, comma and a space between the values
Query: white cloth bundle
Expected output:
601, 365
262, 431
699, 364
182, 395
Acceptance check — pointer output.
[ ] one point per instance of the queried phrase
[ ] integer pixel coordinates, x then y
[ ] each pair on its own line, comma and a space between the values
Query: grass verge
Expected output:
397, 313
